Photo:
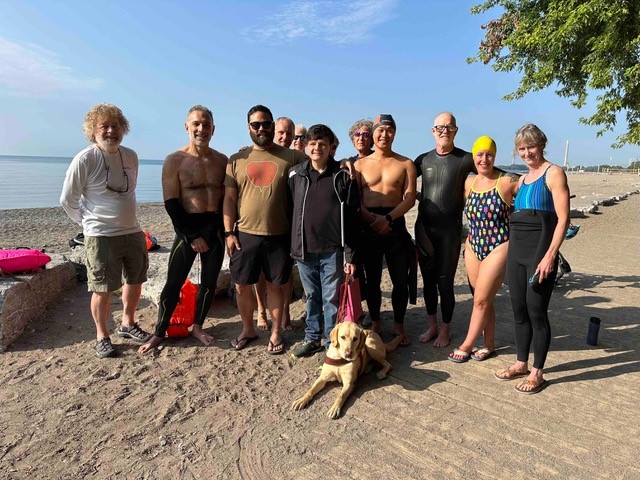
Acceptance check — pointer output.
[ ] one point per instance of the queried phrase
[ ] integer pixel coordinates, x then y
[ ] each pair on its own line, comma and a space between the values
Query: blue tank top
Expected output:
535, 195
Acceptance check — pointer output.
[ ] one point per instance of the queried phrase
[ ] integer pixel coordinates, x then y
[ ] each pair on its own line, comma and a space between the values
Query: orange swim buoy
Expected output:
184, 315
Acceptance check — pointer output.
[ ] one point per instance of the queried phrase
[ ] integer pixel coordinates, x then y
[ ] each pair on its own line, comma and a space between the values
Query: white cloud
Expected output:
335, 21
31, 70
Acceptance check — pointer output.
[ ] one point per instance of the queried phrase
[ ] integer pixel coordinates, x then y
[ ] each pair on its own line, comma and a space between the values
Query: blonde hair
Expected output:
530, 134
106, 111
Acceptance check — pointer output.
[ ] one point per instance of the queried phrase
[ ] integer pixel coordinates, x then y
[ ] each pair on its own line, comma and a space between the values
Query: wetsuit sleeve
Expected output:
418, 163
180, 219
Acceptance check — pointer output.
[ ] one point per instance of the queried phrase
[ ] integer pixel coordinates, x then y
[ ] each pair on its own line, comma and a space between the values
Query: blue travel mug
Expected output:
594, 327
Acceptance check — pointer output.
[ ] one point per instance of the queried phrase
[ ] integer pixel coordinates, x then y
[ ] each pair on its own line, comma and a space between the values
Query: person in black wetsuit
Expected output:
438, 228
388, 190
192, 186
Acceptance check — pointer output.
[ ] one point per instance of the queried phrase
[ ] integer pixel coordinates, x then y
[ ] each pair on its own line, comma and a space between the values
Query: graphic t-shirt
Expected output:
261, 179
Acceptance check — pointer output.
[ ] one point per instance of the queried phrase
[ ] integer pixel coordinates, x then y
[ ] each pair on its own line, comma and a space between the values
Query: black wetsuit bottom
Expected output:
180, 262
439, 252
531, 234
393, 248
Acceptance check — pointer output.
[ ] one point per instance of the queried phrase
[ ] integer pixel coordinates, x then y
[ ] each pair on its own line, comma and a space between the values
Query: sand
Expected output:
190, 411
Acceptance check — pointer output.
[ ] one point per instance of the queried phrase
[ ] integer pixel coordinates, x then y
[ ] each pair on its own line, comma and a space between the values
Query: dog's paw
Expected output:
334, 412
381, 375
298, 404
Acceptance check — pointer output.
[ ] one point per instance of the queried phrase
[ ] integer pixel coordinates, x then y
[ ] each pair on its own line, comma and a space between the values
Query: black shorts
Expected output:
270, 254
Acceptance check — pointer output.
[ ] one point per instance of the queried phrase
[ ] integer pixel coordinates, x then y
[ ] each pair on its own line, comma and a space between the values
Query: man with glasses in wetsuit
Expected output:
439, 223
99, 194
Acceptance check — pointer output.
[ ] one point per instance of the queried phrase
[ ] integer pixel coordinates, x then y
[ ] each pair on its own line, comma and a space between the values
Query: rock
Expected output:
25, 297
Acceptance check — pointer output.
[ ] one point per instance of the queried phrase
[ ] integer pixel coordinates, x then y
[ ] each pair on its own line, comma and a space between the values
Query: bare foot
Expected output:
150, 344
442, 340
263, 323
201, 335
429, 335
287, 320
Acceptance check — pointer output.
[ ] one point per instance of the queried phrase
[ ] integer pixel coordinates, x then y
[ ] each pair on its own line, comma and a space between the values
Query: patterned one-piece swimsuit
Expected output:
488, 217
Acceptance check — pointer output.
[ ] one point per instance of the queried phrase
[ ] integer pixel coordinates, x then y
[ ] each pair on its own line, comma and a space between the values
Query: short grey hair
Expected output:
530, 134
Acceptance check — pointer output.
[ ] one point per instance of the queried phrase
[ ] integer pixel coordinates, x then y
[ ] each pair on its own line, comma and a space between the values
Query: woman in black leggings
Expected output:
538, 227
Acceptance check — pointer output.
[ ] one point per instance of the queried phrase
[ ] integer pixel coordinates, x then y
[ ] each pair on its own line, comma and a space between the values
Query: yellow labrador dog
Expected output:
347, 357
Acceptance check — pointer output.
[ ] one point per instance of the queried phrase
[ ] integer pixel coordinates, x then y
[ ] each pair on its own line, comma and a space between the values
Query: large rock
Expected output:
25, 297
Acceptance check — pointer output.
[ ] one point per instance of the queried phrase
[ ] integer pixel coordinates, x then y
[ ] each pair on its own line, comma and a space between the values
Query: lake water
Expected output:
28, 182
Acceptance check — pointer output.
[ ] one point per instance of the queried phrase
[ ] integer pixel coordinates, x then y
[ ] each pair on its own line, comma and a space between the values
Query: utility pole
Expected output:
566, 156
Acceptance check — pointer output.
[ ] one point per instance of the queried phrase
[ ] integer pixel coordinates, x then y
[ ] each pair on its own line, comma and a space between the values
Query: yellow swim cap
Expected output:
484, 143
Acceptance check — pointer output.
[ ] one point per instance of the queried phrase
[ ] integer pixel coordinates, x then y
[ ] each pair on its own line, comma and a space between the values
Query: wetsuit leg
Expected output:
398, 267
530, 303
428, 268
211, 262
372, 261
180, 261
447, 248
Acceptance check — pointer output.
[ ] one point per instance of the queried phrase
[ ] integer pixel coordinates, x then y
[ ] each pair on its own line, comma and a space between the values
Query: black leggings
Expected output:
439, 250
531, 233
180, 261
394, 248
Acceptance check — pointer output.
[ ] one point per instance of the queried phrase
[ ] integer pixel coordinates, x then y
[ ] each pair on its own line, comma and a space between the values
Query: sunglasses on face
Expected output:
442, 128
299, 137
266, 125
358, 134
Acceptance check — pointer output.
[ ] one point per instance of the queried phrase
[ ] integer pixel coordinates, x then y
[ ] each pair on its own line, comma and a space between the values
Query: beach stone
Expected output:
25, 297
608, 202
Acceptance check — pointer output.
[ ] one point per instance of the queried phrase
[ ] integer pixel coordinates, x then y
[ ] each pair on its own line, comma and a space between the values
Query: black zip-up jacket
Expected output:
346, 193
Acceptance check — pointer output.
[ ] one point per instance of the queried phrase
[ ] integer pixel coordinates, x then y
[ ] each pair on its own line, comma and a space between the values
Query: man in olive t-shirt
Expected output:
257, 224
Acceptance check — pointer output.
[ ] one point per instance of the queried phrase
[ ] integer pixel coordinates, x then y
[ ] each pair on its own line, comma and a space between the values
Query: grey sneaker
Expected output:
135, 333
306, 348
104, 348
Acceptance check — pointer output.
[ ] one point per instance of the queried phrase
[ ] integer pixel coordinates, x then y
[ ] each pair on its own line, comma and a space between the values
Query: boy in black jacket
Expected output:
325, 218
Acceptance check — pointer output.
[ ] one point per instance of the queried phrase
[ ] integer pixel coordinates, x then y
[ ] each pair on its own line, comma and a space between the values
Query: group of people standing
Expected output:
269, 204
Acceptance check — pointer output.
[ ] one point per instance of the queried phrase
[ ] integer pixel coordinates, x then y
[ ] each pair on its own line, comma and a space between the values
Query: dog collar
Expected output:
335, 362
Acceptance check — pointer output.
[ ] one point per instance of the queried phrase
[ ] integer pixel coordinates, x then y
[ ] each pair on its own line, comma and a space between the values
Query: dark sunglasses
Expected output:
361, 134
442, 128
266, 125
299, 137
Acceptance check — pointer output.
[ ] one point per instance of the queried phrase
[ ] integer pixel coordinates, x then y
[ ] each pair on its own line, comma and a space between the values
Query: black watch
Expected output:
229, 233
389, 219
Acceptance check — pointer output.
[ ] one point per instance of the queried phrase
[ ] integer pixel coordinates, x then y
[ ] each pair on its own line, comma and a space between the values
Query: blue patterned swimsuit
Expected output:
488, 216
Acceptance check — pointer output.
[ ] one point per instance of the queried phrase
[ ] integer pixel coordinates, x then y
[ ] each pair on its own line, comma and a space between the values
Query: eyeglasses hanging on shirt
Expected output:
124, 175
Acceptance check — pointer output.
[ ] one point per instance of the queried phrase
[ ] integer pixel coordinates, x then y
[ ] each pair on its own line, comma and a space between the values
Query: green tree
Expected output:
576, 45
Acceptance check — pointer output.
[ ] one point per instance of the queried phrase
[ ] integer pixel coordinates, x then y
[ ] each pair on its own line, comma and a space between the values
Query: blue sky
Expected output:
329, 62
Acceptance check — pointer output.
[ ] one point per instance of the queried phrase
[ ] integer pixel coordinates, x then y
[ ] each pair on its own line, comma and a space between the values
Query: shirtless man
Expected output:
388, 190
192, 186
439, 223
284, 130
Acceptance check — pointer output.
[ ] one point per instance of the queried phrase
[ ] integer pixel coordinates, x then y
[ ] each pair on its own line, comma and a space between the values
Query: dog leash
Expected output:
343, 300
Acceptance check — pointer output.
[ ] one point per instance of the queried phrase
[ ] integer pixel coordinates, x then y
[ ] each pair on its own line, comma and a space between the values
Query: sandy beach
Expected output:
190, 412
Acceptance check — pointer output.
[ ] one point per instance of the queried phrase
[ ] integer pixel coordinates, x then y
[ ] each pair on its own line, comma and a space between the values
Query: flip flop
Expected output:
536, 386
246, 340
460, 353
482, 354
511, 376
275, 345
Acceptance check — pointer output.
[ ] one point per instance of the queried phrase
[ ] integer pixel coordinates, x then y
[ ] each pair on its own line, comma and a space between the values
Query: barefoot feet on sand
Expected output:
150, 344
201, 335
263, 323
429, 335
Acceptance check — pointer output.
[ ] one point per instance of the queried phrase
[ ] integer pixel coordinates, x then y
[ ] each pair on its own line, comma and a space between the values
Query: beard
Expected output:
263, 139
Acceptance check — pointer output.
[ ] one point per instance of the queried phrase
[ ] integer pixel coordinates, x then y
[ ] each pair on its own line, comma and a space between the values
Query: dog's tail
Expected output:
393, 344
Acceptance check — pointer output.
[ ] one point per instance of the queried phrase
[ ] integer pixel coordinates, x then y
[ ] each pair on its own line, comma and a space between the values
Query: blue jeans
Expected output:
321, 275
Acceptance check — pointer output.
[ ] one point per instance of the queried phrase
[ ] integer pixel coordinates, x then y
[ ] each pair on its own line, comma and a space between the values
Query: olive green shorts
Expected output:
111, 258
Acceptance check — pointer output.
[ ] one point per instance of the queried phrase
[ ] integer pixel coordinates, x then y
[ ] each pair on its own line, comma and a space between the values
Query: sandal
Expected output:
508, 374
274, 346
459, 353
482, 354
537, 386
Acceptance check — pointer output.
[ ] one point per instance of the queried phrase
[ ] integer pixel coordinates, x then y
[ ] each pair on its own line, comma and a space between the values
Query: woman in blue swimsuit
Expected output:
489, 196
538, 227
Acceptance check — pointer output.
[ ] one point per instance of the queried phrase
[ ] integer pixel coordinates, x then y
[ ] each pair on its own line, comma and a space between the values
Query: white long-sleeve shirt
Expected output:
88, 202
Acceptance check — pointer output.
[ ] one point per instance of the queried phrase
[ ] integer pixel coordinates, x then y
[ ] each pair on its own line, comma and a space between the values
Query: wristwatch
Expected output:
229, 233
389, 218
